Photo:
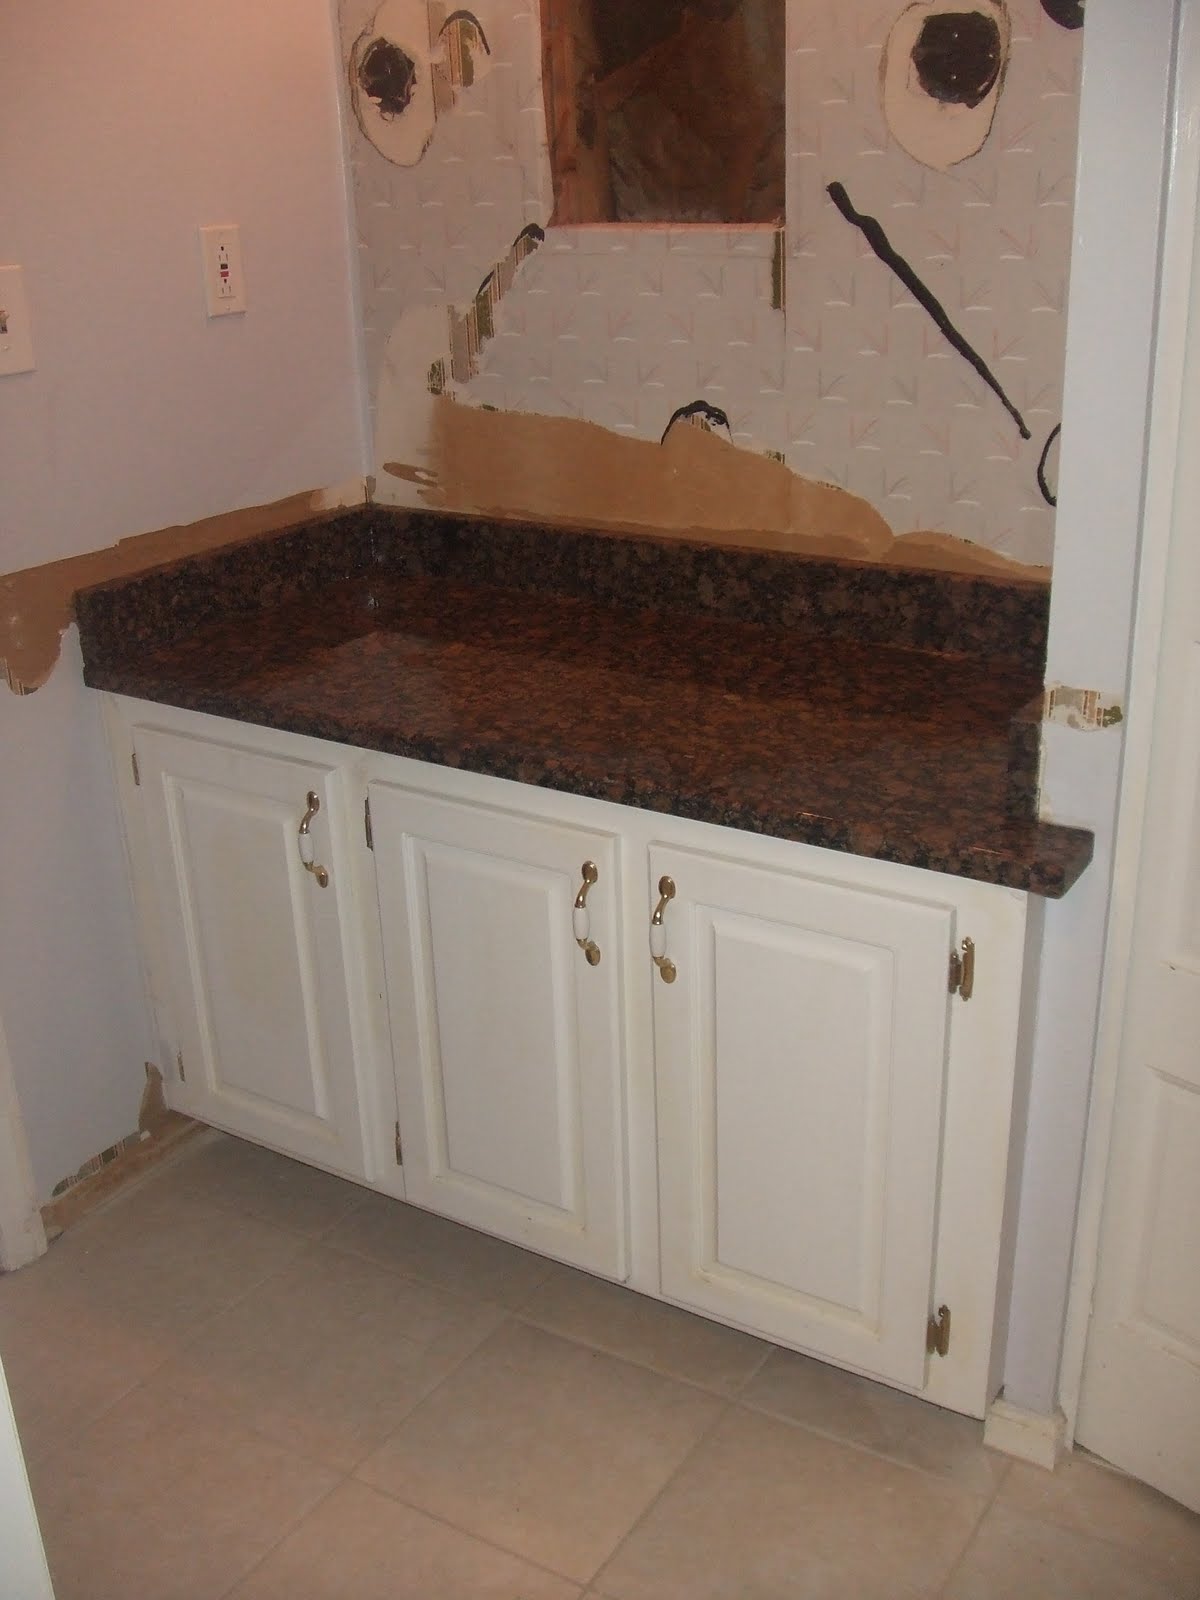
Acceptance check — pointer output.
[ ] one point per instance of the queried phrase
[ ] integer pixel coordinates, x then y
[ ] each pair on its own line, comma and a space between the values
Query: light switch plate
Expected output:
16, 336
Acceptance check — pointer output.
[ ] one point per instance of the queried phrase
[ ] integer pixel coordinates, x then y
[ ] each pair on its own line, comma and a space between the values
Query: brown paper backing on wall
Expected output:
36, 604
695, 485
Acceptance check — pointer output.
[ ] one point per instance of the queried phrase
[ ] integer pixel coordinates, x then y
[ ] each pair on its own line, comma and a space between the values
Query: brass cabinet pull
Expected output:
305, 841
658, 933
580, 920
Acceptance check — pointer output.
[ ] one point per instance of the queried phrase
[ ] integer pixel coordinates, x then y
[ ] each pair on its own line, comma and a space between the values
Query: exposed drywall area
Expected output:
900, 338
694, 484
141, 413
36, 603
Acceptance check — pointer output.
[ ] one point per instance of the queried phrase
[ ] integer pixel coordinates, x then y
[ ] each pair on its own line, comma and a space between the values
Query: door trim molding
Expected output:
22, 1236
1025, 1435
1176, 364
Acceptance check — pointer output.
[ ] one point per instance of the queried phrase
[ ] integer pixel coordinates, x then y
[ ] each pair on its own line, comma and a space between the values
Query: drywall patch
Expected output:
391, 81
406, 68
37, 604
694, 485
1088, 710
958, 56
941, 76
387, 74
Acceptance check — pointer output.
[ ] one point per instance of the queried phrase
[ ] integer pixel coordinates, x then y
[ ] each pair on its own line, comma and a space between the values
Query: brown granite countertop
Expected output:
914, 755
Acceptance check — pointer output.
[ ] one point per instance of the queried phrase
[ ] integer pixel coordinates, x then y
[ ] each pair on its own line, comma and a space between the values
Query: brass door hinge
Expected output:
367, 823
962, 970
179, 1064
937, 1333
399, 1148
137, 772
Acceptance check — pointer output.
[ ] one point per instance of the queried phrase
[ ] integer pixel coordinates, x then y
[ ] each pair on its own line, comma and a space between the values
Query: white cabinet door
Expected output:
258, 950
801, 1059
507, 1040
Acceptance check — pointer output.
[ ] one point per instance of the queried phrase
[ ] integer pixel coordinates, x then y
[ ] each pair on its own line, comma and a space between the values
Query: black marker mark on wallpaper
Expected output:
1049, 495
701, 414
873, 232
467, 16
1067, 13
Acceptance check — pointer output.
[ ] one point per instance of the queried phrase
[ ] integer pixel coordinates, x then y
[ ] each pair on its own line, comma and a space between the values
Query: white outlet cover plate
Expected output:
16, 335
221, 257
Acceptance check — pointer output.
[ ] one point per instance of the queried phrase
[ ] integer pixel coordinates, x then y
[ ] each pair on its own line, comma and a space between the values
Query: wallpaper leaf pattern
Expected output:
852, 383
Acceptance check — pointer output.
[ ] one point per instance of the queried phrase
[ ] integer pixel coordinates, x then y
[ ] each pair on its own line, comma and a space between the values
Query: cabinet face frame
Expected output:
982, 1136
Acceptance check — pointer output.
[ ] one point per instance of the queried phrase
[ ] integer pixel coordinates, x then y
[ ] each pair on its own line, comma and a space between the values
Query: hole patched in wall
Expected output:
665, 110
958, 57
942, 75
388, 76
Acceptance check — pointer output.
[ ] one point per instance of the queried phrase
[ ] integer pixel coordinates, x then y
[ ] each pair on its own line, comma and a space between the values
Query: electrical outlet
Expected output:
221, 254
16, 338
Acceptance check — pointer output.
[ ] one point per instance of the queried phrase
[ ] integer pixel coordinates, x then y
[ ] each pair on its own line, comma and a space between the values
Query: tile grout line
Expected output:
987, 1496
585, 1585
583, 1343
956, 1565
470, 1533
656, 1499
287, 1533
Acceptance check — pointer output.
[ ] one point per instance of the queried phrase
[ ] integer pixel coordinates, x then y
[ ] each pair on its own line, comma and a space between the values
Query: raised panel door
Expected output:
800, 1054
507, 1039
257, 947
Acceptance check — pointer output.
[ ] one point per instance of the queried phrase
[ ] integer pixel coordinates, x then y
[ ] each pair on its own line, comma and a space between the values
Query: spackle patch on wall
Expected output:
405, 70
36, 604
941, 76
694, 484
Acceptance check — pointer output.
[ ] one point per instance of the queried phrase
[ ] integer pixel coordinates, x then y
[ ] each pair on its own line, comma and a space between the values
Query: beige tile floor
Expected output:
245, 1378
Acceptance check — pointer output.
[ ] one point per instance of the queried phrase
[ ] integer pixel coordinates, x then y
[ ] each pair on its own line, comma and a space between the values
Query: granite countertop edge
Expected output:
137, 633
1052, 859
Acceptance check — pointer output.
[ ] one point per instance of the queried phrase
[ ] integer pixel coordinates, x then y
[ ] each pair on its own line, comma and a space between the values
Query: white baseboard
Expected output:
1028, 1435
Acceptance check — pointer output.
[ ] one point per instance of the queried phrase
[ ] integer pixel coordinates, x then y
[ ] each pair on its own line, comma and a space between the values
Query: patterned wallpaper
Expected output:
850, 381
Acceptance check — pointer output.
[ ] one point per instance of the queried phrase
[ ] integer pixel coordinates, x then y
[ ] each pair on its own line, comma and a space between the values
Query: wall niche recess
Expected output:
665, 110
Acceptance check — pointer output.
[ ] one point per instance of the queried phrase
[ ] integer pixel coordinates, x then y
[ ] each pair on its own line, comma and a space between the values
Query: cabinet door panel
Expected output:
802, 1145
507, 1042
801, 1057
258, 963
500, 1004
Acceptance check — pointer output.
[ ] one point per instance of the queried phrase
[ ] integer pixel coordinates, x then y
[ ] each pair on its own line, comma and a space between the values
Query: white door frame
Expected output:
1179, 307
22, 1237
23, 1569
